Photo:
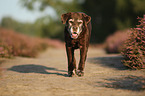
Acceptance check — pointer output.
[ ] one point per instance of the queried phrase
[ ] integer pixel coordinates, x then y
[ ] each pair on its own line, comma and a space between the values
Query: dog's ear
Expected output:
64, 17
87, 18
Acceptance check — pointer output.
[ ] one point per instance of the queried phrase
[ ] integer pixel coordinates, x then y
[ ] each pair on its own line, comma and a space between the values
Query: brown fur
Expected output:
82, 42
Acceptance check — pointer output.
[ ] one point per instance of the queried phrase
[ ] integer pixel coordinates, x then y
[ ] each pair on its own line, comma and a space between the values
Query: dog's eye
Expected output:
70, 21
80, 23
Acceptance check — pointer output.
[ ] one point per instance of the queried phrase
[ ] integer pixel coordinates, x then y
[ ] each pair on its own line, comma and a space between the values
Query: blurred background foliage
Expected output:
108, 16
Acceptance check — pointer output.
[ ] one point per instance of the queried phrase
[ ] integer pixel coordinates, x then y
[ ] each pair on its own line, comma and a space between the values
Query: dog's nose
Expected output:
74, 32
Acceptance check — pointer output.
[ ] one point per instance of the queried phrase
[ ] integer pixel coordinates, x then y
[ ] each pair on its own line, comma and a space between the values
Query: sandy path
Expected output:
46, 75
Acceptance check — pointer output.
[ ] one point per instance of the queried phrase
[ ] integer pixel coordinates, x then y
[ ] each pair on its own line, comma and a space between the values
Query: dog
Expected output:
77, 34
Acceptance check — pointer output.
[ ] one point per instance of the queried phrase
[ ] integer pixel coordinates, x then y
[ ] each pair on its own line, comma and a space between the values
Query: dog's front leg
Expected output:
71, 61
83, 55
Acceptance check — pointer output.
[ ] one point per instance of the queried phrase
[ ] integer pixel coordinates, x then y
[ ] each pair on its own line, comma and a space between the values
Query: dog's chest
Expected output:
76, 44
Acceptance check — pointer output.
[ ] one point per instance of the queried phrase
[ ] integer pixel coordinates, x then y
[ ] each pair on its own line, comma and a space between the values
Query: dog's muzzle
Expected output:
74, 35
74, 32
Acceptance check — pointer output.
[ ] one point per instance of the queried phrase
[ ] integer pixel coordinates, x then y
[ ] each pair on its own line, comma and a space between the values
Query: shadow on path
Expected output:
32, 68
133, 83
110, 61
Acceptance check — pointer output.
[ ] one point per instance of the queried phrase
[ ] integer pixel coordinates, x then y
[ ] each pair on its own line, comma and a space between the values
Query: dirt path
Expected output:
46, 75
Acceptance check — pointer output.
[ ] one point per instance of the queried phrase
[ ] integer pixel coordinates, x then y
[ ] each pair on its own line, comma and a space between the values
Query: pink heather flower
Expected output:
138, 28
1, 48
2, 52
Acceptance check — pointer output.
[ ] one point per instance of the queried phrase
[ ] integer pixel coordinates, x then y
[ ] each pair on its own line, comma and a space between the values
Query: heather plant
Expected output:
15, 44
5, 50
114, 42
134, 47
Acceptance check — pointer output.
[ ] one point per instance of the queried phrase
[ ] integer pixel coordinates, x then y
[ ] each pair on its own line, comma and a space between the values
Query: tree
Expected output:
107, 15
60, 6
111, 15
51, 26
25, 28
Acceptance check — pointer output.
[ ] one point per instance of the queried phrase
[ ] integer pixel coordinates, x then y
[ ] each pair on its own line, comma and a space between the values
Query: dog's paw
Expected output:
80, 73
71, 73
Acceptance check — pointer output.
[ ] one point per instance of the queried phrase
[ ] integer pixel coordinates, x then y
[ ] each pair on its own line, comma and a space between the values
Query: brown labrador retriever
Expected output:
77, 35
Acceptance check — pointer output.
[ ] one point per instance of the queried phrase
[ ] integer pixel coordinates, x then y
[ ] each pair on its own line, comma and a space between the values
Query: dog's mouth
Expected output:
74, 35
74, 32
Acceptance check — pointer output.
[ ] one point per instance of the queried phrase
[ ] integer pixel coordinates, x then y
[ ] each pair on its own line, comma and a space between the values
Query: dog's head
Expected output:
75, 21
